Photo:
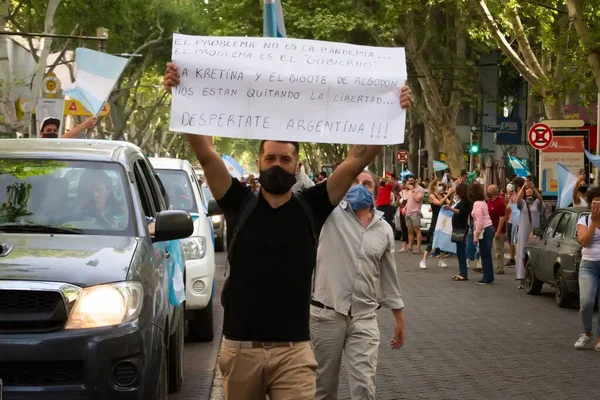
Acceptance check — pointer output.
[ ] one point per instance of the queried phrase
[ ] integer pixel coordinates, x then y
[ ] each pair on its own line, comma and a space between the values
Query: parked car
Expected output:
553, 256
85, 308
425, 220
217, 217
185, 194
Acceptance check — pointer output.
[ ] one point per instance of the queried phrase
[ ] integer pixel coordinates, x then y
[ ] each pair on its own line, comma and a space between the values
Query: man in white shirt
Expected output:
355, 275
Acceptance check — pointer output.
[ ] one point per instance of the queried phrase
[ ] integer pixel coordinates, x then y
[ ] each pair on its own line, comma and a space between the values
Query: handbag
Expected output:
458, 235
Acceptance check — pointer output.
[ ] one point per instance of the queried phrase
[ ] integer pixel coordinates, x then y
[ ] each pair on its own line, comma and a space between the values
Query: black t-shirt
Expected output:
272, 263
461, 220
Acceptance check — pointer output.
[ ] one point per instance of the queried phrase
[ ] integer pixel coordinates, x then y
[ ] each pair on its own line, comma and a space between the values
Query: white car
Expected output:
183, 190
425, 220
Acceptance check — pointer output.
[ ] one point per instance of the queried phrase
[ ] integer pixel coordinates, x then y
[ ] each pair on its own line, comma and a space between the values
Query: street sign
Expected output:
474, 128
402, 156
491, 128
540, 136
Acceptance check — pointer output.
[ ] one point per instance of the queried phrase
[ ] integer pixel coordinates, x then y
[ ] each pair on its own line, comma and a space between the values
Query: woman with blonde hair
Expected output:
438, 197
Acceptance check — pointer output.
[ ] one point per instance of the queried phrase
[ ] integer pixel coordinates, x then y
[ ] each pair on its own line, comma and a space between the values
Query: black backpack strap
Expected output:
246, 208
309, 214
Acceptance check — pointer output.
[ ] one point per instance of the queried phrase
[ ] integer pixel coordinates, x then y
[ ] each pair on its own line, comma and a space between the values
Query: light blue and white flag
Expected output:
97, 74
233, 167
442, 235
595, 160
439, 166
273, 25
405, 173
566, 184
519, 168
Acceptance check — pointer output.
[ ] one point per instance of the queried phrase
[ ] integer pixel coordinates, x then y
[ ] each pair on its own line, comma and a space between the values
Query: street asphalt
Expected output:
463, 341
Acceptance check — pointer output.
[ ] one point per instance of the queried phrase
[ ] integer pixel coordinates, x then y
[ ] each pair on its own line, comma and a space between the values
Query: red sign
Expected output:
402, 156
540, 136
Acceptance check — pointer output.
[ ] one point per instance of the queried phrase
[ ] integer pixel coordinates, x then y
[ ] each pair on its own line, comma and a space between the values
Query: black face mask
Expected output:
50, 136
582, 189
276, 181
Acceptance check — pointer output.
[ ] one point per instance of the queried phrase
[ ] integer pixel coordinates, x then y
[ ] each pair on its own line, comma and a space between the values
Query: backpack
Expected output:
246, 209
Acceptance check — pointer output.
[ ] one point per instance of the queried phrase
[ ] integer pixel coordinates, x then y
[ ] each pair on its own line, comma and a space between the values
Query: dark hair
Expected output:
592, 194
475, 192
323, 174
409, 176
463, 172
461, 190
261, 149
518, 182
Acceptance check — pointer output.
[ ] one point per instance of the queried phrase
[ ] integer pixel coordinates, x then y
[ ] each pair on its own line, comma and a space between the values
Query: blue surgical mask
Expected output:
359, 197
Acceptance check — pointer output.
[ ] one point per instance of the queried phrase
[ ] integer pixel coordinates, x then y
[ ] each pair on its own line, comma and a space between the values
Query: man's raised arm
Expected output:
216, 174
359, 157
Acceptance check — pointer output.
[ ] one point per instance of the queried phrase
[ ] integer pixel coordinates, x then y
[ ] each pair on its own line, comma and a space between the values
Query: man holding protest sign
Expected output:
266, 348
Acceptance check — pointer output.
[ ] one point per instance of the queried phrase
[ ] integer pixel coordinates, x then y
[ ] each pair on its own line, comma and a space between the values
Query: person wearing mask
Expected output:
266, 345
579, 198
347, 294
529, 201
515, 216
51, 126
483, 232
413, 213
507, 205
497, 211
438, 197
460, 225
588, 235
384, 199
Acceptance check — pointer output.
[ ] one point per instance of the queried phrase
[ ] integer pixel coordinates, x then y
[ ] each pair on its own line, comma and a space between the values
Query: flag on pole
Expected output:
97, 74
595, 160
439, 166
519, 168
273, 25
233, 167
442, 235
566, 184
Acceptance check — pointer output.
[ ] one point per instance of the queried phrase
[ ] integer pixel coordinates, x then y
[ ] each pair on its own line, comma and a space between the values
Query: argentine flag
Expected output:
439, 166
519, 168
233, 167
405, 173
566, 184
595, 160
442, 235
97, 74
273, 25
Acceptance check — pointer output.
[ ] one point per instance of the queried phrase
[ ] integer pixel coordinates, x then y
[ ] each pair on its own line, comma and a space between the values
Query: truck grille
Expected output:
41, 373
31, 311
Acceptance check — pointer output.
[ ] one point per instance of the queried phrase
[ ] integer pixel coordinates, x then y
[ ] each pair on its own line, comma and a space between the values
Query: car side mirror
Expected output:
213, 208
172, 225
538, 232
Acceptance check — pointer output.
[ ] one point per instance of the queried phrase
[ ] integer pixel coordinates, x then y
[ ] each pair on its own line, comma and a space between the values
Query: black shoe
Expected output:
484, 283
510, 262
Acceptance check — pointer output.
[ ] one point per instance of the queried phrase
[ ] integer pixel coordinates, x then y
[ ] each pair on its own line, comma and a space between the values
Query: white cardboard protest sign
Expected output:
288, 89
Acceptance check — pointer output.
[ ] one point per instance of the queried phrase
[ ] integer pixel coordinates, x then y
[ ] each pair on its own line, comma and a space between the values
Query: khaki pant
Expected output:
333, 333
284, 373
498, 249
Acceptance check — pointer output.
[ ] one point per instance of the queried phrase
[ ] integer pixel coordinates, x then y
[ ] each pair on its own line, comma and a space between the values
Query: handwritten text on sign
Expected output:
288, 89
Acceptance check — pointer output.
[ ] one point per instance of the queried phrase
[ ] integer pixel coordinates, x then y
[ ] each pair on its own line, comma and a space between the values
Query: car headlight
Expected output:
193, 248
215, 219
106, 305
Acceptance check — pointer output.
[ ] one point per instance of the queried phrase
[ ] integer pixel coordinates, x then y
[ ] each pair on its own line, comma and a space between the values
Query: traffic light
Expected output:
474, 149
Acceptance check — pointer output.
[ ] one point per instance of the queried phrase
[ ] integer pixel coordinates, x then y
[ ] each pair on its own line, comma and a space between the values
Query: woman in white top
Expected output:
579, 198
588, 234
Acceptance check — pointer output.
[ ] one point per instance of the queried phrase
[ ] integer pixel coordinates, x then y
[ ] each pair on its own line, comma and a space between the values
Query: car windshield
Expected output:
179, 189
64, 197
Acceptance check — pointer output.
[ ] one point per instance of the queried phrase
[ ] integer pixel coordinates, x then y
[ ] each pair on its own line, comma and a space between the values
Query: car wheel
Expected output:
163, 378
219, 244
532, 284
176, 356
201, 327
563, 297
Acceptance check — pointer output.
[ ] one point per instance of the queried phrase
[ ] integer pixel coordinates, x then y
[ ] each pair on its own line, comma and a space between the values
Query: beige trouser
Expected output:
498, 248
333, 333
284, 373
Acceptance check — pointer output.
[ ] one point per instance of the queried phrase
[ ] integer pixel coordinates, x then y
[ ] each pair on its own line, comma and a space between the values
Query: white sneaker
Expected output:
583, 341
423, 264
442, 264
468, 264
479, 264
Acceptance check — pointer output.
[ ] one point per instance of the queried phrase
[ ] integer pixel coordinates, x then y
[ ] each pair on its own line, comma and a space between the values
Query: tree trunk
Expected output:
7, 102
576, 14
